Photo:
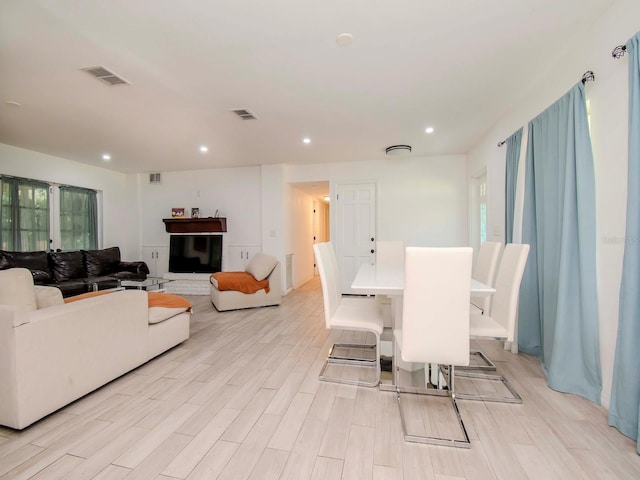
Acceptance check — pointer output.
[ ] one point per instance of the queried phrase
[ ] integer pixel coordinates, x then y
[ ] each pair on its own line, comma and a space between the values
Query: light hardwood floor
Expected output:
241, 400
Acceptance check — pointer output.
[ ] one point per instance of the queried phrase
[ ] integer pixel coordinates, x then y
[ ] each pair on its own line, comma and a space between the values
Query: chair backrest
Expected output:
390, 253
329, 277
504, 305
435, 317
486, 264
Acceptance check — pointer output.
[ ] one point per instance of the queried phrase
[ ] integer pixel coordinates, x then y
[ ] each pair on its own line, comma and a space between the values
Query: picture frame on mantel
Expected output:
195, 213
177, 213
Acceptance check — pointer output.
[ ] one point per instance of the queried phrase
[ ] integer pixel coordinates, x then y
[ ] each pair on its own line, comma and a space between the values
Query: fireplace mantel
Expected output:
195, 225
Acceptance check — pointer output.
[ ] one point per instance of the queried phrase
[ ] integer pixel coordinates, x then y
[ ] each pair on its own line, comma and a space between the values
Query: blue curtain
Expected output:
558, 314
624, 412
78, 218
511, 179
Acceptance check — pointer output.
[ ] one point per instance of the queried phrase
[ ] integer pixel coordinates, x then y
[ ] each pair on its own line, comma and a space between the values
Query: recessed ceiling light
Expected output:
106, 157
204, 148
306, 140
429, 130
344, 39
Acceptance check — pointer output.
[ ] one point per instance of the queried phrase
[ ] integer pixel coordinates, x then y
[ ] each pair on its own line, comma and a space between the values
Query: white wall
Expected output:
421, 200
608, 97
275, 234
119, 199
234, 192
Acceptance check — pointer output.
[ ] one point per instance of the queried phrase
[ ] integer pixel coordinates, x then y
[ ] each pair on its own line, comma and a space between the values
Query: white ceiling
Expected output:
455, 65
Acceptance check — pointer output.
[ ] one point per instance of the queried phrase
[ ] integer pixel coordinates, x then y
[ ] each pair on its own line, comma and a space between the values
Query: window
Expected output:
28, 211
482, 208
78, 218
24, 215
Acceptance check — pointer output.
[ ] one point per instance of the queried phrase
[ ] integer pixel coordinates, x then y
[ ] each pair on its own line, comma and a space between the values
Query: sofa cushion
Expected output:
101, 262
261, 266
163, 306
48, 296
16, 288
37, 262
67, 265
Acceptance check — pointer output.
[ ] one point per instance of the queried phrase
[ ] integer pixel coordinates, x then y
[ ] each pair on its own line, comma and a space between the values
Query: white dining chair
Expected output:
435, 325
484, 270
500, 322
360, 314
389, 253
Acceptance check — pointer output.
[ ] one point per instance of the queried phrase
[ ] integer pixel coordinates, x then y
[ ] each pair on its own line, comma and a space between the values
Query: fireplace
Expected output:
196, 253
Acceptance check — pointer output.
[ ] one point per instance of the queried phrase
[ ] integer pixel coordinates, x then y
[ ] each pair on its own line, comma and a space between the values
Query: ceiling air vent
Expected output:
105, 75
154, 178
244, 114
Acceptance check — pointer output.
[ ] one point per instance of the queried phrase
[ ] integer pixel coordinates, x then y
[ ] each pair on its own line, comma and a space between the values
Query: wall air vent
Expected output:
105, 75
154, 178
244, 114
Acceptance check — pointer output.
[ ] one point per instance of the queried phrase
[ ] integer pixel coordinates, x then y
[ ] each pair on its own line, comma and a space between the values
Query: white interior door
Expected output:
355, 229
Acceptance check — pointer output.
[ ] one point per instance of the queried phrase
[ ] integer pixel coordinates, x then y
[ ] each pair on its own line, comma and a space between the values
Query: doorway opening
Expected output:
310, 223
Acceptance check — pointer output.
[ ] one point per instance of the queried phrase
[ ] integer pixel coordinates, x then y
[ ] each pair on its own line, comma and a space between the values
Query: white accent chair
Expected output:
501, 322
261, 266
347, 313
435, 324
484, 270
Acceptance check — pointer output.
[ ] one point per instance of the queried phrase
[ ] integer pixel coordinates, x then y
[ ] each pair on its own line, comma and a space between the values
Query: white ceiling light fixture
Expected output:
429, 130
106, 157
344, 40
398, 150
306, 140
204, 148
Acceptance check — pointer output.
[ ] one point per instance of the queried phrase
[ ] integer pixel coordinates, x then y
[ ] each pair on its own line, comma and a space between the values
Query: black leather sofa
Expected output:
78, 271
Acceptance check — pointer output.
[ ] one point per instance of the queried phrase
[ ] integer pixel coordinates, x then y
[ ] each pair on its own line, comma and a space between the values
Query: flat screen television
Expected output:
195, 253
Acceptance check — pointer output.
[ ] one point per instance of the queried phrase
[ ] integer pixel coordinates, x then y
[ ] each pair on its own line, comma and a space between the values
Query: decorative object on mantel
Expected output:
177, 212
195, 225
195, 213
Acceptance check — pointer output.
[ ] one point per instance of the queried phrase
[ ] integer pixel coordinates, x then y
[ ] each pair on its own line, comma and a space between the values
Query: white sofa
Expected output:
52, 353
261, 266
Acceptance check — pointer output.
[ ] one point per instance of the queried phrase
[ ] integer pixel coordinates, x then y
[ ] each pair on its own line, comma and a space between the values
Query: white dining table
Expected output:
389, 280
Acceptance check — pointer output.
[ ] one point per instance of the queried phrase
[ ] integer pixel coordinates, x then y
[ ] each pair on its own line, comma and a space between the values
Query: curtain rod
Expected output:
588, 76
619, 51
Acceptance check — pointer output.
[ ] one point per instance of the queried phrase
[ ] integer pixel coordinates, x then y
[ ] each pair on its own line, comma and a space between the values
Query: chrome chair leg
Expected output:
448, 392
515, 398
353, 362
487, 366
333, 358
